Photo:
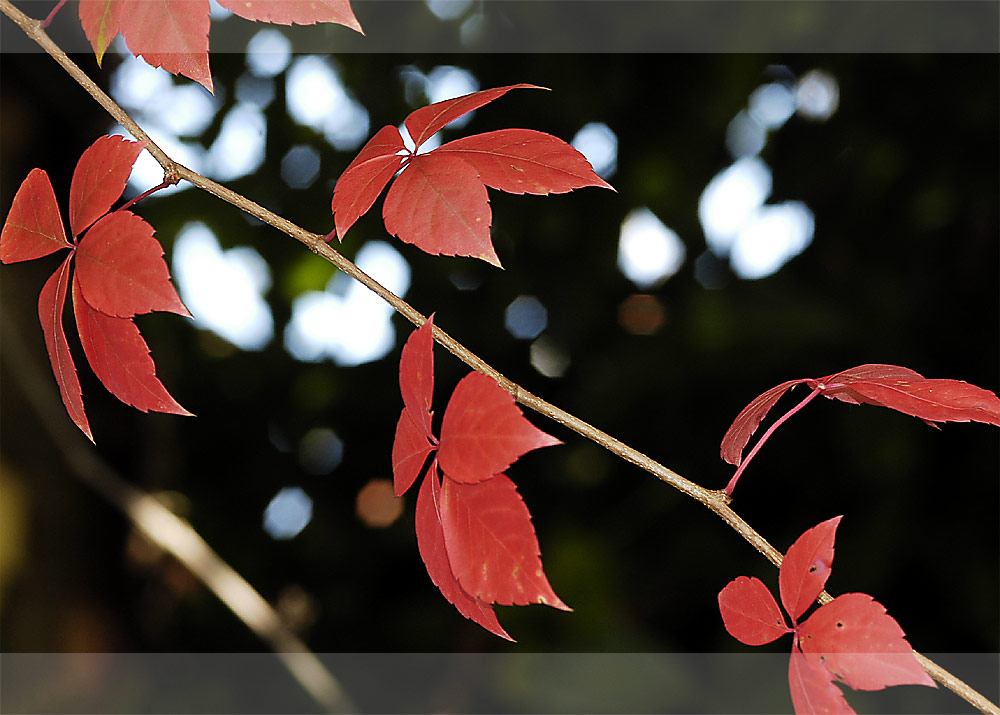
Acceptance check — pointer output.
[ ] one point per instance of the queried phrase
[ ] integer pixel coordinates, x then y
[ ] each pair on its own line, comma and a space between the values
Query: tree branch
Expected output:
716, 500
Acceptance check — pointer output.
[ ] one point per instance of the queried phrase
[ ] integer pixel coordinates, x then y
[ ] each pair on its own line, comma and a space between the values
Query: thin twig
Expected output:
169, 532
716, 500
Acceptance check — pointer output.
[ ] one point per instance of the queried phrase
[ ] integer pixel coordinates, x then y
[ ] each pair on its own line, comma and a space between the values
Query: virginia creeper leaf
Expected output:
416, 377
491, 543
425, 122
101, 20
747, 421
859, 644
297, 12
806, 567
172, 34
906, 391
409, 453
120, 358
812, 690
99, 179
121, 269
524, 161
483, 431
440, 205
365, 177
33, 228
750, 613
431, 544
51, 302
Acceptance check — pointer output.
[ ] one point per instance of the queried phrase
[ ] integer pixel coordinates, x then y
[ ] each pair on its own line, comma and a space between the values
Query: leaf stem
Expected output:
52, 15
760, 443
716, 500
146, 193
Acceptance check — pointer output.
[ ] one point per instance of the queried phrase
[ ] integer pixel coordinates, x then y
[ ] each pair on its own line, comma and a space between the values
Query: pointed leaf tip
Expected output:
34, 227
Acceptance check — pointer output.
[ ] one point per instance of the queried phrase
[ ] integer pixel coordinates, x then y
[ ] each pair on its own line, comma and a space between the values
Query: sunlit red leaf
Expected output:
491, 543
297, 12
51, 302
33, 228
121, 269
439, 204
172, 34
806, 567
747, 421
416, 376
906, 391
483, 431
750, 613
431, 544
524, 161
409, 453
120, 358
99, 179
812, 691
858, 643
423, 123
365, 177
101, 20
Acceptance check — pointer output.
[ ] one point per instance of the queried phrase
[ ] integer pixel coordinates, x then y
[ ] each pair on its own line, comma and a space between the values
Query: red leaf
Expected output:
440, 205
857, 642
51, 302
524, 161
431, 544
425, 122
906, 391
99, 179
749, 419
750, 613
806, 567
298, 12
172, 34
409, 453
811, 688
416, 377
33, 228
101, 20
491, 543
121, 269
120, 358
365, 177
483, 431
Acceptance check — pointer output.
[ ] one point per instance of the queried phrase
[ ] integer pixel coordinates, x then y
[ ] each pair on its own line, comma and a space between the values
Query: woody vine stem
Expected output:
716, 500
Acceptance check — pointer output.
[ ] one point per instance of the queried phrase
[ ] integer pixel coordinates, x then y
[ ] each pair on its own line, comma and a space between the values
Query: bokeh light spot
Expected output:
288, 513
376, 505
648, 251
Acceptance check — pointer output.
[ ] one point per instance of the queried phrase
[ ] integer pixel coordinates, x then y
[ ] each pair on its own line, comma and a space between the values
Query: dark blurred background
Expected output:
901, 180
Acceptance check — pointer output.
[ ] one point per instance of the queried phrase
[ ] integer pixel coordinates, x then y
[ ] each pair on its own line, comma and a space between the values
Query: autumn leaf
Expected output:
850, 640
33, 228
173, 34
51, 303
120, 358
438, 202
120, 272
892, 386
433, 552
474, 531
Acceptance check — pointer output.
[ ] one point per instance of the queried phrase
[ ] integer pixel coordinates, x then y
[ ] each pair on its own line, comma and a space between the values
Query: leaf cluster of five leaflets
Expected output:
438, 201
120, 273
474, 532
851, 639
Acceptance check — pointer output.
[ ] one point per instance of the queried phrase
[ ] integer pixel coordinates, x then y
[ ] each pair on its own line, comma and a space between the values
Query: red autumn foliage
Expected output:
474, 531
850, 640
892, 386
173, 34
120, 273
438, 202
